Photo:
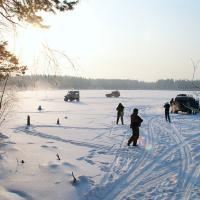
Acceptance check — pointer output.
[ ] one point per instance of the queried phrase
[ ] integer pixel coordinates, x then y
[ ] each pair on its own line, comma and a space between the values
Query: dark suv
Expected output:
113, 94
185, 103
72, 95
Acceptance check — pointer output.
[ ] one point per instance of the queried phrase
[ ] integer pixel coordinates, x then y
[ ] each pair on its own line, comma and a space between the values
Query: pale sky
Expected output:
126, 39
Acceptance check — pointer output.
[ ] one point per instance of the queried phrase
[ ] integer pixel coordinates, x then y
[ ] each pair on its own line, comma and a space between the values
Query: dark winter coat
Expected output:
120, 109
135, 121
167, 107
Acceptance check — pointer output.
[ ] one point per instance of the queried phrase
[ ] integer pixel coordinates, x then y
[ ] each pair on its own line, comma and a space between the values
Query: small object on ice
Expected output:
28, 120
58, 157
74, 181
58, 121
65, 117
39, 107
22, 161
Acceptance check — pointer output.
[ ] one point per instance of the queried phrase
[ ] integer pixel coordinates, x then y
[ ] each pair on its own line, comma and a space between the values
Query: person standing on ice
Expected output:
135, 124
120, 113
167, 107
171, 104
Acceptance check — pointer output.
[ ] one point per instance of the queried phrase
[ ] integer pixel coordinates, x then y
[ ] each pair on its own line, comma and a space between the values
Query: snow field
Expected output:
94, 148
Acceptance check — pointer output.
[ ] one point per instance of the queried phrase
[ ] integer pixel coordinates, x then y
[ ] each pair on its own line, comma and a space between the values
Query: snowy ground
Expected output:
166, 165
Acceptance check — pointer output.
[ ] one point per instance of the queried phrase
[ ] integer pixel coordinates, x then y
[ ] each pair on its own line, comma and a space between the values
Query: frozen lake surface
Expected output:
165, 165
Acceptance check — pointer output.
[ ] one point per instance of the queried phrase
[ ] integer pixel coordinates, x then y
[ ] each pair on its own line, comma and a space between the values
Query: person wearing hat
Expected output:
135, 124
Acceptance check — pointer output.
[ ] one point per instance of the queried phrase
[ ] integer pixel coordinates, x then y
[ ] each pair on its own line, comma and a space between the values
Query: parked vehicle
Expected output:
113, 94
185, 103
72, 95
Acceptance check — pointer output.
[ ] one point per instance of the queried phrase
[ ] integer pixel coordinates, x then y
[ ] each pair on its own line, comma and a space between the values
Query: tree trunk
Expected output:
4, 89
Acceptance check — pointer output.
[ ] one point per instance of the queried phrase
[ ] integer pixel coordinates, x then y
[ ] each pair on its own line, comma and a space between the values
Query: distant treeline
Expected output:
68, 82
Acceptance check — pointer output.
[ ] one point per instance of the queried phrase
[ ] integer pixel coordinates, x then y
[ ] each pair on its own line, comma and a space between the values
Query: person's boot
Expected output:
117, 121
135, 143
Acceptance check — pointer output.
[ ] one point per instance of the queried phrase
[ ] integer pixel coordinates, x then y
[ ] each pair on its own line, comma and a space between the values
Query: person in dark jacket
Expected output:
120, 113
171, 104
167, 107
135, 124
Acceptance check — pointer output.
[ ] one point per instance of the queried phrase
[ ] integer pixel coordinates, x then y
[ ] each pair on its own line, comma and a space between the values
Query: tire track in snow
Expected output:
59, 139
186, 159
110, 187
124, 185
129, 159
132, 179
187, 182
116, 150
183, 150
119, 163
116, 160
149, 167
191, 182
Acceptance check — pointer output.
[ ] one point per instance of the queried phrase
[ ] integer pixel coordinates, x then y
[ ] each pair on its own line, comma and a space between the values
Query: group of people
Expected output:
136, 121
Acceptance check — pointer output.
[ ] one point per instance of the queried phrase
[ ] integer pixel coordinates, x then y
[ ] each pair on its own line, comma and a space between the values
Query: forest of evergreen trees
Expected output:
68, 82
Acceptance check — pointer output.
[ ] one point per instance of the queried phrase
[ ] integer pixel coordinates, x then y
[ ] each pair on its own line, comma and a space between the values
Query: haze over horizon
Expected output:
137, 39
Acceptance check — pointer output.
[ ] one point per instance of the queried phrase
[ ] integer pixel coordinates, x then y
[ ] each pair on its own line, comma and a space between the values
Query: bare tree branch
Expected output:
195, 67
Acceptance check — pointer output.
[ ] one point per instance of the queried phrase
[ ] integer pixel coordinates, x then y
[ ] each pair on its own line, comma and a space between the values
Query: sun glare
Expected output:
29, 43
